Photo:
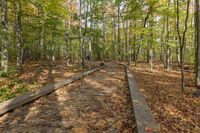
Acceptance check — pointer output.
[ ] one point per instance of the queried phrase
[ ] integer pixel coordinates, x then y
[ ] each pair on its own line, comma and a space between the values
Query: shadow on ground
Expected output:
98, 103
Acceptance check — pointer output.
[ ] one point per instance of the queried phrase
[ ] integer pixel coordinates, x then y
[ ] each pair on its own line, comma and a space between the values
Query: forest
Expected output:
57, 37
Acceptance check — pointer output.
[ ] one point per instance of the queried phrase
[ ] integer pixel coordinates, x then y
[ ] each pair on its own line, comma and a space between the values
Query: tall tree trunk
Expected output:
104, 33
20, 39
198, 45
114, 40
151, 54
131, 39
42, 34
168, 51
4, 47
80, 35
118, 11
90, 39
182, 40
15, 24
141, 38
53, 46
162, 44
125, 25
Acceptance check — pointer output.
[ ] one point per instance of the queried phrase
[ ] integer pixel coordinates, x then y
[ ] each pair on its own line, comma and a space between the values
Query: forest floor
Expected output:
174, 110
34, 76
100, 102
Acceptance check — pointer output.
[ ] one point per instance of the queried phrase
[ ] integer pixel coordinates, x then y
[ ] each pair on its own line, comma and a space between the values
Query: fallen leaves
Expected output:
100, 102
174, 111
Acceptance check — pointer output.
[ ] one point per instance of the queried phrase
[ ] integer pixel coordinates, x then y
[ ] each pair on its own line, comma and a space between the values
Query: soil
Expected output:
98, 103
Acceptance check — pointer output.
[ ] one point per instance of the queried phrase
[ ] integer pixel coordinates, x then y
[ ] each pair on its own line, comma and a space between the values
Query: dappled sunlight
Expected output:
96, 103
35, 76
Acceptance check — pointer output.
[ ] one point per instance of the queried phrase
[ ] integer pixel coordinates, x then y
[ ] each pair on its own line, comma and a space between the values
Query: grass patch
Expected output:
21, 90
6, 93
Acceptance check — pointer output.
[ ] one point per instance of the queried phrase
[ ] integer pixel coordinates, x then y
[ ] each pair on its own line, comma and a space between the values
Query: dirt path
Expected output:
98, 103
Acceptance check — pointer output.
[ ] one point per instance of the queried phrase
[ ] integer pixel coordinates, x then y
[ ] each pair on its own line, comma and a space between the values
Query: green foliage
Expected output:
3, 74
6, 93
21, 90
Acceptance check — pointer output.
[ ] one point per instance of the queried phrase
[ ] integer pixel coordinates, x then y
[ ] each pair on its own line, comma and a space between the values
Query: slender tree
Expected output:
182, 39
20, 38
81, 35
118, 17
198, 45
4, 47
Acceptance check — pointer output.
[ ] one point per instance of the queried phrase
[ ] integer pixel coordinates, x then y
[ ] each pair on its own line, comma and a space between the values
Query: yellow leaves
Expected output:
101, 124
31, 9
79, 130
118, 125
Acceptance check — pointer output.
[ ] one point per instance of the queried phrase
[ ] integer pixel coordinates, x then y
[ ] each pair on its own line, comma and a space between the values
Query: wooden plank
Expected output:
29, 97
143, 116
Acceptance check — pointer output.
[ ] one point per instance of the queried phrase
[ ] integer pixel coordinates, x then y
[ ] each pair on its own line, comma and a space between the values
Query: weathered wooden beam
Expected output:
31, 96
143, 117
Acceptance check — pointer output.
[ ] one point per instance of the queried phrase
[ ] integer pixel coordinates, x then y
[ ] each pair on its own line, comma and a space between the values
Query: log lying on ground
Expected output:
29, 97
143, 116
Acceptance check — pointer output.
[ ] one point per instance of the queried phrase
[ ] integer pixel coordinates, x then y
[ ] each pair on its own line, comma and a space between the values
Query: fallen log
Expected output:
143, 117
31, 96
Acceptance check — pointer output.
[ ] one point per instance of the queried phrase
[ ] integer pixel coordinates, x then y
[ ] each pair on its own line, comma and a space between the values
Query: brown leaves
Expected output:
98, 103
174, 111
196, 130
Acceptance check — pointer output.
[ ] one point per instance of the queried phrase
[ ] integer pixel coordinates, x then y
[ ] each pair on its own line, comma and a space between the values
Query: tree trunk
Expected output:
151, 54
4, 47
118, 11
182, 40
81, 36
20, 39
198, 46
141, 38
125, 25
114, 40
168, 54
161, 45
42, 34
53, 47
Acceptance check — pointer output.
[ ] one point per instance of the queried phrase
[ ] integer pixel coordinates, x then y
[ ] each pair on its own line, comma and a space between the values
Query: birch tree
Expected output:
4, 46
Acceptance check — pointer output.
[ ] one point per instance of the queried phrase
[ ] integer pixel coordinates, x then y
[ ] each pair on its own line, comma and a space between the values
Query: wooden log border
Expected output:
31, 96
143, 117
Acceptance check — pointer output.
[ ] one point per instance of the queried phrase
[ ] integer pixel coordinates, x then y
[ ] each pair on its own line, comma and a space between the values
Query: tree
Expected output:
182, 39
4, 47
198, 45
19, 35
118, 19
80, 35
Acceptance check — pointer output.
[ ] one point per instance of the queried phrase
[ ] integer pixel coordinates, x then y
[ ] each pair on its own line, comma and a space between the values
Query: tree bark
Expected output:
182, 40
81, 36
4, 47
42, 33
20, 38
141, 38
198, 45
114, 40
119, 51
125, 25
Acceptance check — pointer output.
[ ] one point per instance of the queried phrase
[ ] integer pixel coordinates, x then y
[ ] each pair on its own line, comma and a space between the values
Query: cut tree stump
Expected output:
31, 96
143, 116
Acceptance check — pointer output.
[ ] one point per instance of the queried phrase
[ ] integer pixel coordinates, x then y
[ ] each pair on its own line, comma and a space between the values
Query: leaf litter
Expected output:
175, 111
97, 103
